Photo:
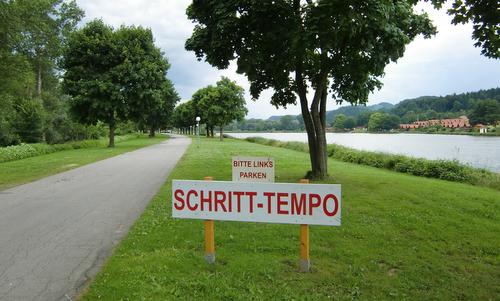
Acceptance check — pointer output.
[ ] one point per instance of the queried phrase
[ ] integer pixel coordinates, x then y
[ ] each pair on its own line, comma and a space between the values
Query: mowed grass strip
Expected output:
26, 170
402, 238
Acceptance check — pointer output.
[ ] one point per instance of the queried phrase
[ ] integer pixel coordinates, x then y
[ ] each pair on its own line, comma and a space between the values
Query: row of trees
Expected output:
32, 106
216, 105
481, 107
111, 77
373, 121
117, 75
284, 123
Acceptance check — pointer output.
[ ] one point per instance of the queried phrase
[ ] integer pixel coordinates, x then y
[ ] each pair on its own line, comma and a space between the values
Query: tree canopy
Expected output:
335, 48
184, 115
217, 105
115, 75
32, 36
486, 112
380, 121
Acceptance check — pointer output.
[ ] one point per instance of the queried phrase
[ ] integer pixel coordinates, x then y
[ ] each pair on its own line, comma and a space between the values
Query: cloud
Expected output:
447, 63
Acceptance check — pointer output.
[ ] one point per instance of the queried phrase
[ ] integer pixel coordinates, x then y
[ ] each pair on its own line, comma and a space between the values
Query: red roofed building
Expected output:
408, 126
460, 122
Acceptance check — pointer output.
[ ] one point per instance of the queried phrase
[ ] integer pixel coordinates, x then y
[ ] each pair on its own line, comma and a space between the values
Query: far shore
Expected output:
476, 134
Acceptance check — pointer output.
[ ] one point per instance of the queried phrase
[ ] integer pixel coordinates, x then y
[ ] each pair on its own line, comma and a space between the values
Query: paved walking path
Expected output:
55, 233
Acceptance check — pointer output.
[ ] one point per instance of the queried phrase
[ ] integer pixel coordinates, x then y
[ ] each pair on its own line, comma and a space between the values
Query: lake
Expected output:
482, 152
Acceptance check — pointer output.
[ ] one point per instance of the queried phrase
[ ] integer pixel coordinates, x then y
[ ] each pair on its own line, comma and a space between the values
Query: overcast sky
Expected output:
445, 64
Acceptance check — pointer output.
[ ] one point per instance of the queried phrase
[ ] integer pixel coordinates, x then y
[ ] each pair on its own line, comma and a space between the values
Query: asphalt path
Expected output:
55, 233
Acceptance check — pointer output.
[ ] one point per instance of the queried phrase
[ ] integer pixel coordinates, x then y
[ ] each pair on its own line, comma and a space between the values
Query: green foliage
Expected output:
32, 34
380, 121
339, 122
289, 123
149, 95
342, 122
91, 61
336, 47
29, 120
215, 105
18, 152
117, 75
126, 127
272, 39
486, 111
350, 123
449, 106
223, 103
8, 116
184, 115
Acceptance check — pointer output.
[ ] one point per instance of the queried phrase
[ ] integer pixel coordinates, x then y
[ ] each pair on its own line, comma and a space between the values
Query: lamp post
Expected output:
198, 128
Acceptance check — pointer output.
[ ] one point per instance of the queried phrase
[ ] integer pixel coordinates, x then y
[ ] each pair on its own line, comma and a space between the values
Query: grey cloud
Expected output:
445, 64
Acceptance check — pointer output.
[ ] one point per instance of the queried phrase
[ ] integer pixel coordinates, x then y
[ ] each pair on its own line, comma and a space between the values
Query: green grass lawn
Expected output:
26, 170
402, 238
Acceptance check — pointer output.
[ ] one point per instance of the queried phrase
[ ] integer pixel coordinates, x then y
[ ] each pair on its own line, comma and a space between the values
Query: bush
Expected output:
8, 115
29, 121
22, 151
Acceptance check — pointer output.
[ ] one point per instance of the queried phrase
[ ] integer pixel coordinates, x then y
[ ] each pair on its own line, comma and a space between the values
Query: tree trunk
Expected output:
315, 123
208, 131
112, 132
212, 131
39, 79
221, 133
315, 117
151, 132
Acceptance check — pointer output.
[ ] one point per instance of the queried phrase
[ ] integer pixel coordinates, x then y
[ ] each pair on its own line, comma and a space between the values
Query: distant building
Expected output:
481, 128
408, 126
460, 122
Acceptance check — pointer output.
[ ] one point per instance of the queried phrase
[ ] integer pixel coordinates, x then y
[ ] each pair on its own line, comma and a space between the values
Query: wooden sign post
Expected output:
305, 262
209, 236
287, 203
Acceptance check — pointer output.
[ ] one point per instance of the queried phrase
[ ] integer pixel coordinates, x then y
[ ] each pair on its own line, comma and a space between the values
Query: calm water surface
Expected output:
483, 152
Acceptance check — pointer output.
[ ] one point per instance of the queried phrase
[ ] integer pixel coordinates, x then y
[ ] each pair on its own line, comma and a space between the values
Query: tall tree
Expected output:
380, 121
160, 115
93, 76
486, 112
150, 96
117, 75
350, 123
201, 103
339, 122
46, 25
294, 46
184, 116
223, 104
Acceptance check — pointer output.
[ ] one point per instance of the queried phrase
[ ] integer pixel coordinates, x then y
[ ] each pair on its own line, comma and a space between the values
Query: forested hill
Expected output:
351, 111
481, 107
355, 111
450, 104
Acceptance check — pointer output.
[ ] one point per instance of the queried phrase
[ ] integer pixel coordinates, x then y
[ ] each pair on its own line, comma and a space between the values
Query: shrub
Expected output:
29, 121
22, 151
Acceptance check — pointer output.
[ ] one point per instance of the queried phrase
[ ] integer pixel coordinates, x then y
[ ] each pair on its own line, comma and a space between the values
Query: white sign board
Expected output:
313, 204
253, 169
